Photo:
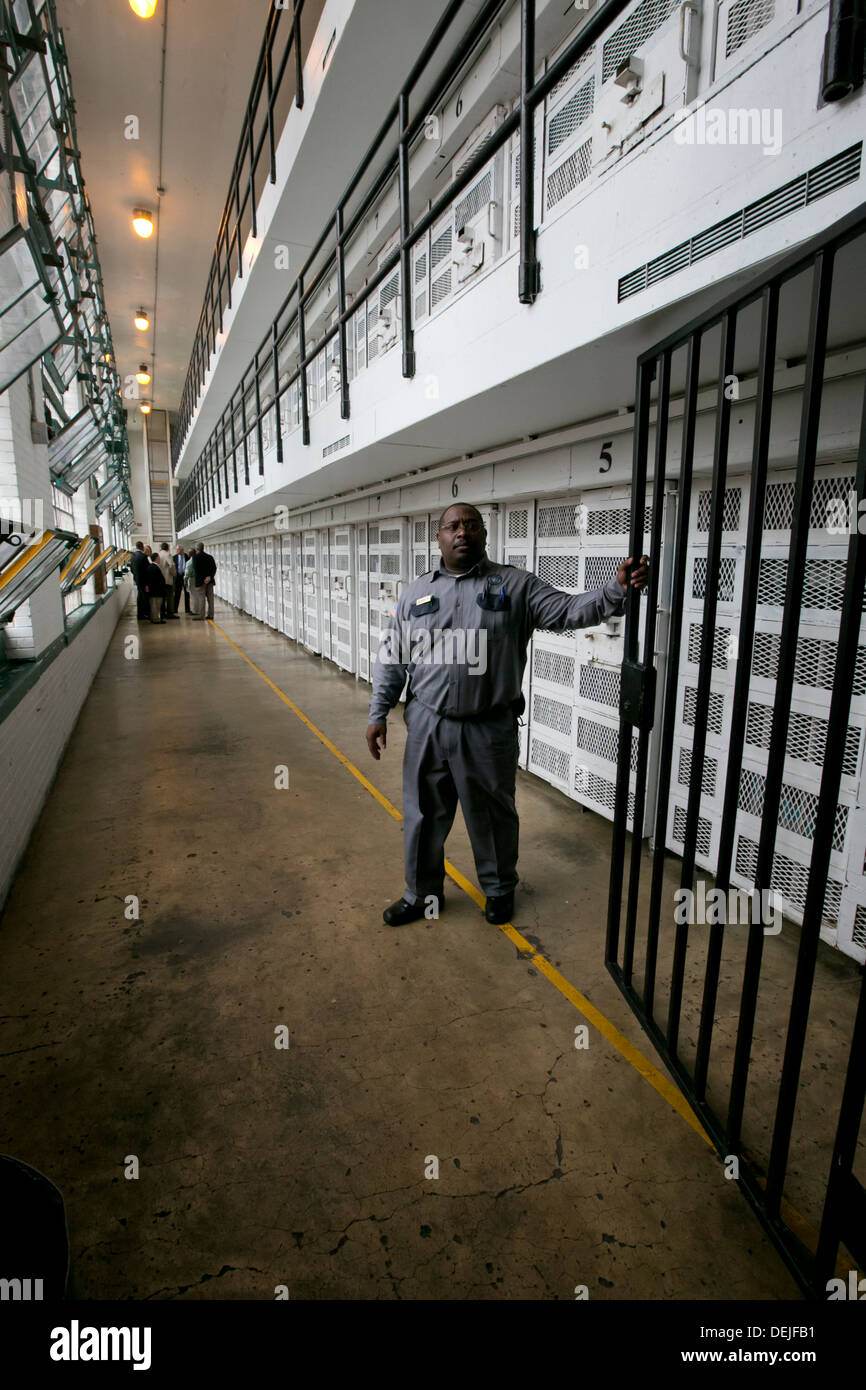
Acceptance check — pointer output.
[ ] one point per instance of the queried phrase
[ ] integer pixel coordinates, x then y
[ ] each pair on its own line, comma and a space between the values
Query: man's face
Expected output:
462, 537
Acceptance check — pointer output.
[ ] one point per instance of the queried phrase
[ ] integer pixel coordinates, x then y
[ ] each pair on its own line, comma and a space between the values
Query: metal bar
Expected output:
620, 820
341, 310
672, 682
302, 348
244, 428
754, 948
253, 223
259, 441
276, 366
635, 548
405, 231
705, 668
529, 272
299, 63
234, 442
272, 144
822, 287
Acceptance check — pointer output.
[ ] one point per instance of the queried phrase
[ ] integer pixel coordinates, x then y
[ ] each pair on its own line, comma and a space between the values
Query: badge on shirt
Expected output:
429, 603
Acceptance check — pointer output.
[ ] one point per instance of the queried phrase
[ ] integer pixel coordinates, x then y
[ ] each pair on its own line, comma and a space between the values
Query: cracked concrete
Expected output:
311, 1166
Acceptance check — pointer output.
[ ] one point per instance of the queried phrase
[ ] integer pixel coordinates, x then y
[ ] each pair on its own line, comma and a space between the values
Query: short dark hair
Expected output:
139, 545
164, 545
452, 505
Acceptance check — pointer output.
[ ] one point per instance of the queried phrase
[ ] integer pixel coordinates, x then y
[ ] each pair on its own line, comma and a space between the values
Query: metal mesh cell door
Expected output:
422, 530
246, 585
362, 587
342, 611
388, 561
311, 635
518, 549
554, 655
236, 573
271, 582
287, 586
823, 594
603, 518
259, 578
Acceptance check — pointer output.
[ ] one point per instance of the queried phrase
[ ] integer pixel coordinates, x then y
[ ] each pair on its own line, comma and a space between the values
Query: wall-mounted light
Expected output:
145, 9
142, 376
142, 221
142, 322
144, 408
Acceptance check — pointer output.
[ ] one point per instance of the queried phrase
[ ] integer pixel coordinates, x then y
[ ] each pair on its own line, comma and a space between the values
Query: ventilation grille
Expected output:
779, 503
798, 809
730, 509
705, 831
825, 178
636, 30
570, 173
745, 19
570, 115
556, 667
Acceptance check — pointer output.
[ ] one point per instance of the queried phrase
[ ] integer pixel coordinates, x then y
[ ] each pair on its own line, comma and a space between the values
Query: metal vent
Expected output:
477, 198
715, 709
745, 19
730, 509
570, 115
518, 522
708, 780
640, 24
600, 684
552, 713
825, 178
560, 570
556, 667
570, 173
721, 641
705, 830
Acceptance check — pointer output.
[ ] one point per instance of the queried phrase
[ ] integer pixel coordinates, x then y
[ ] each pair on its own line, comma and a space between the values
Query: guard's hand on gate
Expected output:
377, 737
639, 575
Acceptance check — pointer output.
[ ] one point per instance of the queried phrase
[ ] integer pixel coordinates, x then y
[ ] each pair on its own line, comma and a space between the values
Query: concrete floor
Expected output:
260, 907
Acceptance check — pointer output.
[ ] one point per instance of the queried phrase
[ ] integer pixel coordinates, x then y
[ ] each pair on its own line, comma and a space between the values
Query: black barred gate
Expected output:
751, 423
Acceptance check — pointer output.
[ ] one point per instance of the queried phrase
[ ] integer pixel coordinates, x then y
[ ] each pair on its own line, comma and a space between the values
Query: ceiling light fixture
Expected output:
142, 221
145, 9
144, 408
142, 322
142, 376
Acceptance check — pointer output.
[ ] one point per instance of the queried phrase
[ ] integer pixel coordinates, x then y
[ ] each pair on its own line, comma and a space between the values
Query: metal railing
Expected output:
257, 147
643, 929
209, 479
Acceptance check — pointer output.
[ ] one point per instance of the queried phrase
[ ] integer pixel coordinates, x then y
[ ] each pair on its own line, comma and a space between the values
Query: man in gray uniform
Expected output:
460, 634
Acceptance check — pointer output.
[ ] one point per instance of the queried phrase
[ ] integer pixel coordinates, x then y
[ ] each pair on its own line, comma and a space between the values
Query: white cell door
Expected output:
342, 610
271, 583
518, 546
287, 586
312, 629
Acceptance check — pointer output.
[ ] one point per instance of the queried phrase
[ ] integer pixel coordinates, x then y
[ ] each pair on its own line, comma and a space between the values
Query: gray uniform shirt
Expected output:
463, 658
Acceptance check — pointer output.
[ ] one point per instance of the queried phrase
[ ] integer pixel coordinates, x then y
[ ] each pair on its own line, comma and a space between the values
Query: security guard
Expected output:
460, 634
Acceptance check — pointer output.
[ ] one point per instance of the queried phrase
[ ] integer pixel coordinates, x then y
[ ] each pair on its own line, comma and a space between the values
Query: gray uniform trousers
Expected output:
473, 761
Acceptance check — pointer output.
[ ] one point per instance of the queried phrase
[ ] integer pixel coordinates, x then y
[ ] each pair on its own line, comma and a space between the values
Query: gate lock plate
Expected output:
637, 694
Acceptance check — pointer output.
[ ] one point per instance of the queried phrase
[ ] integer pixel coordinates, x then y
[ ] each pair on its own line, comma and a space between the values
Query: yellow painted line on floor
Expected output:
608, 1030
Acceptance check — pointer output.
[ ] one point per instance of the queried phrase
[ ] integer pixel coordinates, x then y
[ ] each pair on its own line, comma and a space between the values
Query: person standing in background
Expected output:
155, 591
180, 560
139, 566
205, 569
166, 564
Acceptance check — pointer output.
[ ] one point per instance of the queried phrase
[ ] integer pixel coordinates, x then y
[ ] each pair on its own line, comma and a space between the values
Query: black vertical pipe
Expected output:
341, 309
244, 429
405, 231
253, 222
529, 279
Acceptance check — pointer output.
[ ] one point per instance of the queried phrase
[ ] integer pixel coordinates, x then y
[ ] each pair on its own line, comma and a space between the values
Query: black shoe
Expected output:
499, 910
399, 914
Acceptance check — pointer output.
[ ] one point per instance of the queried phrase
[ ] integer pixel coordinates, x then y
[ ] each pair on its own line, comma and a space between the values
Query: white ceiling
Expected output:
115, 61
